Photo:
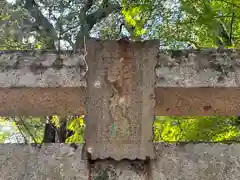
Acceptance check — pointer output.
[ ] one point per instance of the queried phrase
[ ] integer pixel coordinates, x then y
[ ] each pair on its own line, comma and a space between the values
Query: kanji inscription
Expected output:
120, 124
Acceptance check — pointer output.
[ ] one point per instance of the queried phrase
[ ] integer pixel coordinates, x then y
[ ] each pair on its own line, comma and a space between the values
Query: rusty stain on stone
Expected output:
115, 110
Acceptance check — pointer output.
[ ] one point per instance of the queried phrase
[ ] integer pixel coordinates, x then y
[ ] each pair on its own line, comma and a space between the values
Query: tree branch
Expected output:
27, 129
226, 2
20, 130
84, 31
91, 19
45, 29
231, 25
189, 41
101, 13
88, 4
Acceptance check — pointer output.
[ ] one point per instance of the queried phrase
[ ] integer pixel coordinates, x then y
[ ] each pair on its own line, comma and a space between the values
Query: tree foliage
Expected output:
166, 128
205, 128
177, 23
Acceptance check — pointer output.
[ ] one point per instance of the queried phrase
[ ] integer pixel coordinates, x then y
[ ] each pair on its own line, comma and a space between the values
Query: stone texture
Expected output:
119, 170
39, 69
120, 99
197, 161
183, 68
176, 70
198, 68
42, 101
70, 100
59, 161
53, 161
198, 101
174, 161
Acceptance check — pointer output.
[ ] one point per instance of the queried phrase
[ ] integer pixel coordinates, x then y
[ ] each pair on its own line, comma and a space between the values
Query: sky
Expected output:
15, 137
64, 44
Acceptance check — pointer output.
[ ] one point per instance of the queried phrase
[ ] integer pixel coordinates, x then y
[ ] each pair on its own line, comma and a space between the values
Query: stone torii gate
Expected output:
126, 85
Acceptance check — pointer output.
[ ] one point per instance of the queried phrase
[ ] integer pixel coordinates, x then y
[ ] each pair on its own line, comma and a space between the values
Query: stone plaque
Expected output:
120, 99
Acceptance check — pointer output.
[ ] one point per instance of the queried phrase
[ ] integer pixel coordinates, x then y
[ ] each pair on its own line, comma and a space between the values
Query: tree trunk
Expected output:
49, 132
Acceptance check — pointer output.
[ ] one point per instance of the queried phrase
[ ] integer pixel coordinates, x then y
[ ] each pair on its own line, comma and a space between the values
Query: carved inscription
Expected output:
120, 75
120, 106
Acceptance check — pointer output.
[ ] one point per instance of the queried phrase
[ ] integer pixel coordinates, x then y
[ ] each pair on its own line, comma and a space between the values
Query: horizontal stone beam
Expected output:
70, 101
198, 68
174, 161
41, 101
189, 82
183, 68
197, 101
41, 69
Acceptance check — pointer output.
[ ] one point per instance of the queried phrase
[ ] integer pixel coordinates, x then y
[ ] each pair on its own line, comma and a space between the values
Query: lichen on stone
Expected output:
204, 68
37, 69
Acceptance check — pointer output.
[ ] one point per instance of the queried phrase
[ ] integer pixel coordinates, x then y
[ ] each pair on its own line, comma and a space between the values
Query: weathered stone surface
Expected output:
198, 101
42, 101
119, 170
59, 161
120, 99
183, 68
70, 100
197, 161
53, 161
183, 161
36, 69
41, 69
198, 68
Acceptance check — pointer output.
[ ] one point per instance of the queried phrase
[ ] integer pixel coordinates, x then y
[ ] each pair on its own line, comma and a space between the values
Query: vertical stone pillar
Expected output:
120, 99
